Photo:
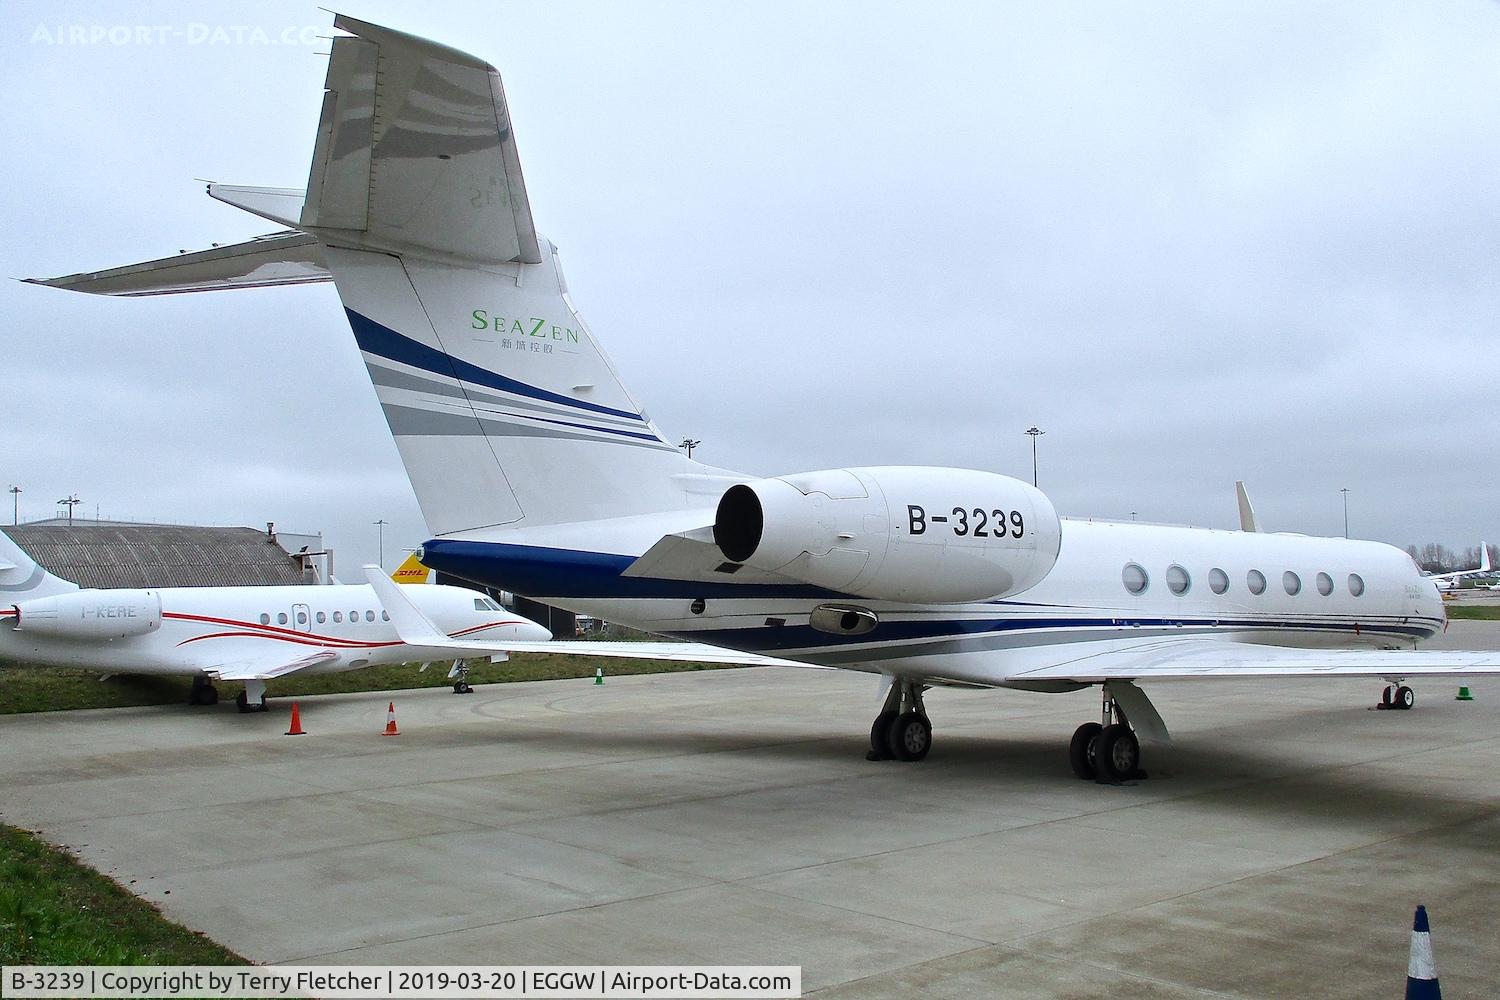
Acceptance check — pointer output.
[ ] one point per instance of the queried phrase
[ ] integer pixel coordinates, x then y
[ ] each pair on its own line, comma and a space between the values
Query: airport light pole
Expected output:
1345, 491
71, 502
380, 539
15, 505
1034, 433
689, 444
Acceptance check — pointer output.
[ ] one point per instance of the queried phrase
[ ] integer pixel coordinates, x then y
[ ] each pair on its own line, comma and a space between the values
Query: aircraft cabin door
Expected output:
301, 618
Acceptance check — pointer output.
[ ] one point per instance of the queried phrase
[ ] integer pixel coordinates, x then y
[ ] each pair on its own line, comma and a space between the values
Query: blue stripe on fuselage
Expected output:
570, 573
546, 572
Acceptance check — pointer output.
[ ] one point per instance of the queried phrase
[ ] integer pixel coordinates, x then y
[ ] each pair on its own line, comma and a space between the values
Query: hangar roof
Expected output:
116, 554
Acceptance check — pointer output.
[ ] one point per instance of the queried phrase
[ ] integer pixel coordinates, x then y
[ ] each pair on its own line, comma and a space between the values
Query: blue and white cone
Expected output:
1421, 972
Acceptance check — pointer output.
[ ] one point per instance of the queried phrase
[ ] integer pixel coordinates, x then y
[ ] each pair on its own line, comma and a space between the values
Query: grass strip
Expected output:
55, 910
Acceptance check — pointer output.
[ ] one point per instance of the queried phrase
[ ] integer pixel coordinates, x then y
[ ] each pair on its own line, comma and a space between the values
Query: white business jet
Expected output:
540, 473
246, 635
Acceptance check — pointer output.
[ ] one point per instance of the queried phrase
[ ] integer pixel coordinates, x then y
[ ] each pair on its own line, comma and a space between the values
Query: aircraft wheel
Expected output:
911, 736
242, 702
1081, 750
880, 737
462, 687
1405, 697
203, 694
1118, 754
1385, 697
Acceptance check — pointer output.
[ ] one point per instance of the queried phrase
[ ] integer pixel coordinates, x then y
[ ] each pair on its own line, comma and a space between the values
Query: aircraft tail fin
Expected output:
411, 571
505, 410
1484, 557
21, 578
1247, 512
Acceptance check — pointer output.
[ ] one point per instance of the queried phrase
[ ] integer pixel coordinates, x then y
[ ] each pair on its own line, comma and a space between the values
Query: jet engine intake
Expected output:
92, 614
895, 533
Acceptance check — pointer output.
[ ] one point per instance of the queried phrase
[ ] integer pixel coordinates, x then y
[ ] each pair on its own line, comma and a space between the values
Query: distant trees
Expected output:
1435, 557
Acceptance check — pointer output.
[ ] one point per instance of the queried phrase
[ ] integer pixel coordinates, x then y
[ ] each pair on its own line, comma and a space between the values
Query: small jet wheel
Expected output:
1081, 750
263, 707
1385, 697
242, 702
1118, 755
1405, 697
462, 687
880, 737
911, 736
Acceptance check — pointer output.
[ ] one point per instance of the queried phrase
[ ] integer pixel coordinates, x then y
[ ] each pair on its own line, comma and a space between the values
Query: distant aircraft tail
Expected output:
505, 410
22, 579
411, 571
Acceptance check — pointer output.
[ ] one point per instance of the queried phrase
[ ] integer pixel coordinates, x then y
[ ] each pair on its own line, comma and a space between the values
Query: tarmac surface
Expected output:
729, 817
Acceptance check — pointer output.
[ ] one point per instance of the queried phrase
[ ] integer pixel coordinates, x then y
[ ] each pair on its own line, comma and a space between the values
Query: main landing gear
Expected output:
1397, 695
1106, 751
902, 730
460, 677
203, 693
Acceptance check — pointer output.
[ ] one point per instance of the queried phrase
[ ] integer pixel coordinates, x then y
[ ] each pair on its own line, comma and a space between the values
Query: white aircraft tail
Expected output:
21, 578
503, 407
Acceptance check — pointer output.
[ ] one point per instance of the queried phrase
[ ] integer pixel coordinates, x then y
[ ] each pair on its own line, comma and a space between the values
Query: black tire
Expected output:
1118, 756
1405, 697
242, 702
880, 736
1385, 697
1081, 750
910, 736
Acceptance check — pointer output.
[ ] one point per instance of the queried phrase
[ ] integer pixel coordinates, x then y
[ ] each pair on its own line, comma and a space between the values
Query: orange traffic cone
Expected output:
390, 721
296, 729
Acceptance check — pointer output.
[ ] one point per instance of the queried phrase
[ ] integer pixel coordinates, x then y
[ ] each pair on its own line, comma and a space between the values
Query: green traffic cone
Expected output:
599, 676
1463, 694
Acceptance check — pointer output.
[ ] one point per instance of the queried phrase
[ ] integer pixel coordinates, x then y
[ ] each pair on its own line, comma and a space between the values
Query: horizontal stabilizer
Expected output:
692, 555
285, 258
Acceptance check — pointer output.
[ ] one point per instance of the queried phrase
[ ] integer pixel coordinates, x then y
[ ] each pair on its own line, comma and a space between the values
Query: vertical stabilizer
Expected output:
1247, 512
505, 410
21, 578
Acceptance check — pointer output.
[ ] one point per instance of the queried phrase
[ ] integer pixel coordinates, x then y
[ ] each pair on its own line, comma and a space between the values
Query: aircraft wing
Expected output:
689, 652
267, 667
284, 258
415, 629
1178, 659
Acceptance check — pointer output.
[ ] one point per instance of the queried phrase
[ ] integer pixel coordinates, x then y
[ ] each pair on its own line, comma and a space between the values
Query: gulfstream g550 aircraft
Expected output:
540, 473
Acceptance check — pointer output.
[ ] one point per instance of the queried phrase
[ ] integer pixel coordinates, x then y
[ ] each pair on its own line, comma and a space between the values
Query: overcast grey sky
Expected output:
1194, 242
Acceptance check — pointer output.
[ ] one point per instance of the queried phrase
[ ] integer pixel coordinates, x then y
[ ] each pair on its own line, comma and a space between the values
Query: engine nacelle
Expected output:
897, 533
92, 614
